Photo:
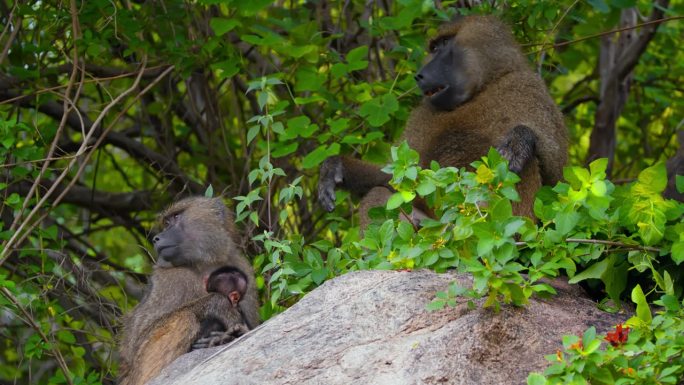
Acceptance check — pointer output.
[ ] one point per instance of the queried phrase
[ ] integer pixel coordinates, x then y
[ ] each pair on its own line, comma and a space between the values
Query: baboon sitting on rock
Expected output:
201, 293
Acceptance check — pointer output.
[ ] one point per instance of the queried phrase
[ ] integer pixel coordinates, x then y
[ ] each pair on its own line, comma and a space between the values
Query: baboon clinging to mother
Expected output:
479, 92
196, 255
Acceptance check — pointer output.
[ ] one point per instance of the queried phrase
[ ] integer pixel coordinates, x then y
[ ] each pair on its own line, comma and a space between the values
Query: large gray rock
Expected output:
371, 327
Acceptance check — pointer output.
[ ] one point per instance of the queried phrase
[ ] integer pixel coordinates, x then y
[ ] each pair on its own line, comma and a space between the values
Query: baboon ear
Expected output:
234, 297
219, 207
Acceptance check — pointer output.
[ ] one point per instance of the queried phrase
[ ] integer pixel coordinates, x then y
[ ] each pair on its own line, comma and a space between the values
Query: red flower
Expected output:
619, 336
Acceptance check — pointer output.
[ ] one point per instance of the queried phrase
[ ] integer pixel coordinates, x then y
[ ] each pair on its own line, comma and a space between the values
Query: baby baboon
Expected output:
197, 239
232, 284
479, 92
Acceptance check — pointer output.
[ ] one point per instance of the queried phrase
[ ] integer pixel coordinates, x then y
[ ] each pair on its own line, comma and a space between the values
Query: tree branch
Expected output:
94, 199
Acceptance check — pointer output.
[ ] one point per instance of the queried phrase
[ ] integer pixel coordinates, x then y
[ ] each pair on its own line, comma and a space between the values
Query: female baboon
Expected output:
197, 239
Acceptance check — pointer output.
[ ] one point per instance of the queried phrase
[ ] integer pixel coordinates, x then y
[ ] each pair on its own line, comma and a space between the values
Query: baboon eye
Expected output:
168, 221
439, 43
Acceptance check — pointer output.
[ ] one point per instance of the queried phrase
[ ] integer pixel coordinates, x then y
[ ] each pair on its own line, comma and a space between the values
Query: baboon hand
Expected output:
220, 338
330, 175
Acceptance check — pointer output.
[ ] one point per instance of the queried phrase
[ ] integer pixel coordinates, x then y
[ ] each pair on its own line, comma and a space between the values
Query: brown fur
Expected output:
503, 93
177, 294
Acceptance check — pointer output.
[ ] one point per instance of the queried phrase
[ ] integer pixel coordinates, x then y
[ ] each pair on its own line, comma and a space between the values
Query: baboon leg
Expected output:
518, 148
527, 190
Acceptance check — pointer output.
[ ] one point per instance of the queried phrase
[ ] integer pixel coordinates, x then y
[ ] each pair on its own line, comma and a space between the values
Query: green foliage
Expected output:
651, 350
581, 227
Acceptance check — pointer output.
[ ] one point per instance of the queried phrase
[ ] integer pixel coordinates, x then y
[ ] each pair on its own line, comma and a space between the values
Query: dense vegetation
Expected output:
109, 110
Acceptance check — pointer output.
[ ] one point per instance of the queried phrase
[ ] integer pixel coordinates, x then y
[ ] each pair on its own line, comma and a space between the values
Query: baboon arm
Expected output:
220, 338
351, 174
166, 342
518, 147
173, 336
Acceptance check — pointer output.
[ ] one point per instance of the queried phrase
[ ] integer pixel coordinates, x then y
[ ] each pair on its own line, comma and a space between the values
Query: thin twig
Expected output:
556, 45
624, 246
16, 26
88, 81
612, 243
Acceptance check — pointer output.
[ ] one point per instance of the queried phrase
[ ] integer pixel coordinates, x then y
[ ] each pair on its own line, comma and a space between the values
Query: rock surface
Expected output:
371, 327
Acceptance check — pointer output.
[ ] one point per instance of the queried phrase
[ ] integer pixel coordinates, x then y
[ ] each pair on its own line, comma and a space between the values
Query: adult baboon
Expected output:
479, 92
197, 239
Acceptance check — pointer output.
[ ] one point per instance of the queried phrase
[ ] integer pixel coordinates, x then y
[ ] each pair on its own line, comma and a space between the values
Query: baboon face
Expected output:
228, 281
444, 80
193, 230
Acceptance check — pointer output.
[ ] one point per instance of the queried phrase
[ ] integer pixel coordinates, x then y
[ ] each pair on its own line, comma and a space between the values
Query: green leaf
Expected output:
221, 26
249, 8
405, 230
669, 301
502, 210
252, 133
598, 167
437, 304
66, 336
643, 312
321, 153
355, 58
395, 201
4, 282
209, 192
598, 188
513, 227
599, 5
536, 379
484, 174
654, 178
298, 126
677, 253
566, 221
407, 196
679, 183
338, 70
227, 68
319, 275
377, 111
611, 271
283, 150
576, 176
425, 187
